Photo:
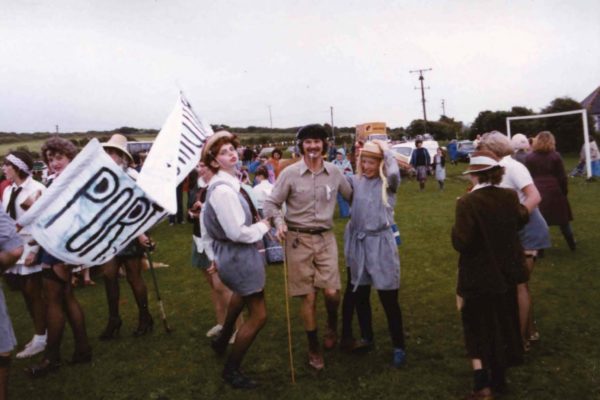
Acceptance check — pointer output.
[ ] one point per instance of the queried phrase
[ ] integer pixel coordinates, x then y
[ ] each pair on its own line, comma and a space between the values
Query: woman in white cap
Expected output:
26, 274
491, 263
370, 247
232, 226
130, 257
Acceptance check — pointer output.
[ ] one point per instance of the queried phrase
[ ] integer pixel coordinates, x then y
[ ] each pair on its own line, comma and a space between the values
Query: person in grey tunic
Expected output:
439, 166
11, 248
232, 228
369, 244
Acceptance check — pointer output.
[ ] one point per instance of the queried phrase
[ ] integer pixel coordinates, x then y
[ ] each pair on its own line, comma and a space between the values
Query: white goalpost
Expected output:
586, 134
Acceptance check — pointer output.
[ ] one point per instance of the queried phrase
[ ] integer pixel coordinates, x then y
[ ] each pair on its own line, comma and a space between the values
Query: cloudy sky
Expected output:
103, 64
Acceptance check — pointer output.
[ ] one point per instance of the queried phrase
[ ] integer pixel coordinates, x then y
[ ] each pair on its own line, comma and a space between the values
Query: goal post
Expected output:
586, 133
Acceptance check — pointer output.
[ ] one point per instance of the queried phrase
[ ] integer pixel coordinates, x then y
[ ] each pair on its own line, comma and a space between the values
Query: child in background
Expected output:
439, 166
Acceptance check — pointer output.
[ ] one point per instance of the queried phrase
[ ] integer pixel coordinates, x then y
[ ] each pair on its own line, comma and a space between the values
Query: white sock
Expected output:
39, 338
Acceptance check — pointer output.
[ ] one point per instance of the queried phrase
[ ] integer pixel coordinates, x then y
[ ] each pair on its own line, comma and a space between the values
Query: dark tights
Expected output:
567, 233
257, 317
60, 299
4, 370
389, 301
348, 307
31, 288
133, 269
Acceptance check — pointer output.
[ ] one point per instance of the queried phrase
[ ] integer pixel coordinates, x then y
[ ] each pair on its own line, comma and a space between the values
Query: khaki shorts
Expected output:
313, 264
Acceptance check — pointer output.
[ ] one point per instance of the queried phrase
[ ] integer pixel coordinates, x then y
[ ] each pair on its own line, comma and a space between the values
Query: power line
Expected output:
422, 78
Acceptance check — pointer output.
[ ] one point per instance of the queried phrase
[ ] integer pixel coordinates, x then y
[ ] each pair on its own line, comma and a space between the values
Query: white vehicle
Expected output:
406, 149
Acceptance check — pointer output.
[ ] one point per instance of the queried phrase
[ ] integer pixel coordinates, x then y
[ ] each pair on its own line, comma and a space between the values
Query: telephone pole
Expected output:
422, 78
443, 107
270, 117
332, 130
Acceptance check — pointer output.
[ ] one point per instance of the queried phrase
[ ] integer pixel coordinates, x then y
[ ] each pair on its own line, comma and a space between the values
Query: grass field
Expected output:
565, 364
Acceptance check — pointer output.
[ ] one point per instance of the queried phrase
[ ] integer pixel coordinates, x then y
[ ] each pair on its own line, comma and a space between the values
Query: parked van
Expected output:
371, 131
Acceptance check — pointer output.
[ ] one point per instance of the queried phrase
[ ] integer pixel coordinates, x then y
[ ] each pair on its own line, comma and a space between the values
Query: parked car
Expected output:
139, 147
460, 150
407, 148
404, 153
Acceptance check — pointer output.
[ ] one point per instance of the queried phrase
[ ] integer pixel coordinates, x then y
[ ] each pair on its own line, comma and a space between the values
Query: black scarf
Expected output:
11, 209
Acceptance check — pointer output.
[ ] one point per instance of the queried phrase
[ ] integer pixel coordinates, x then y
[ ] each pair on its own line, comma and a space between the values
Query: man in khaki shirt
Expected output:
309, 189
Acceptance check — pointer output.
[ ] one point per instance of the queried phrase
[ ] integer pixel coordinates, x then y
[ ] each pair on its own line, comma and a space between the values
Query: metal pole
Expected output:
586, 144
422, 78
270, 117
332, 130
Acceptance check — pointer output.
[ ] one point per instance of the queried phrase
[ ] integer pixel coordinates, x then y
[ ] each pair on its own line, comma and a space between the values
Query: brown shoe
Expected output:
315, 360
330, 339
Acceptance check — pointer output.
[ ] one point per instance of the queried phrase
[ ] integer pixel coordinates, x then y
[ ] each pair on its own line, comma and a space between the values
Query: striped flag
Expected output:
175, 152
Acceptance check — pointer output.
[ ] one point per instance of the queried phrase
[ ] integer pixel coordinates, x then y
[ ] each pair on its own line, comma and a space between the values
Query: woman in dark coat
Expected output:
548, 172
491, 264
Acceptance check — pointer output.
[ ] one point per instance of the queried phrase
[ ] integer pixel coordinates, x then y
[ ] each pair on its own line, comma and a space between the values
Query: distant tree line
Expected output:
567, 130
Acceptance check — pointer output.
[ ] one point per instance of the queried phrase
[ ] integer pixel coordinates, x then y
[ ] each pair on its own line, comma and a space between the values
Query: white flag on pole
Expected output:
175, 152
91, 211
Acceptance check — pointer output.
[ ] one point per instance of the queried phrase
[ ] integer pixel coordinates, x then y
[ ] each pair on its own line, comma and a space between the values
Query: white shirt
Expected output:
225, 201
516, 176
261, 192
29, 188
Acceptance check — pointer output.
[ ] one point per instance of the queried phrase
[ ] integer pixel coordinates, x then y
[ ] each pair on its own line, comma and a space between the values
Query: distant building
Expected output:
592, 105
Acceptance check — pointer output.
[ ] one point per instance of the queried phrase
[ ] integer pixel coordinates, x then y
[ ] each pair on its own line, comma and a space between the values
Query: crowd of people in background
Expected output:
237, 196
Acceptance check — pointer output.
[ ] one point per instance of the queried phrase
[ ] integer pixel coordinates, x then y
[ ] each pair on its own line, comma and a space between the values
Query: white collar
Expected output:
228, 178
25, 182
481, 186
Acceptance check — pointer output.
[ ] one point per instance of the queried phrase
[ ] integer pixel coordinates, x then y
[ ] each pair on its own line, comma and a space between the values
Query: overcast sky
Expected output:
100, 65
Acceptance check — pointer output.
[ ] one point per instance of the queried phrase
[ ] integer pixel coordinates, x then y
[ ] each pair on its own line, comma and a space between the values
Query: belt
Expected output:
310, 231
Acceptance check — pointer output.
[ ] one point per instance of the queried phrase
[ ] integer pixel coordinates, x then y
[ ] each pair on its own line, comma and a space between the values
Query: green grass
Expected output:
565, 364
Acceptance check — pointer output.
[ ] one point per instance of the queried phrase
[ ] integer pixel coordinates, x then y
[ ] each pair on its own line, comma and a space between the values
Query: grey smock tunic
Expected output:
369, 245
240, 265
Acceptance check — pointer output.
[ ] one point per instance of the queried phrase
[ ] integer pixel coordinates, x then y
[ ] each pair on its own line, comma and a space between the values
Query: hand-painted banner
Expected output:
175, 152
91, 211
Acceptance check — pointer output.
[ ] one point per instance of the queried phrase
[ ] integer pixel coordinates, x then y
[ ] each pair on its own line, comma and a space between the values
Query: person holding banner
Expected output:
232, 228
130, 257
58, 290
309, 189
26, 274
